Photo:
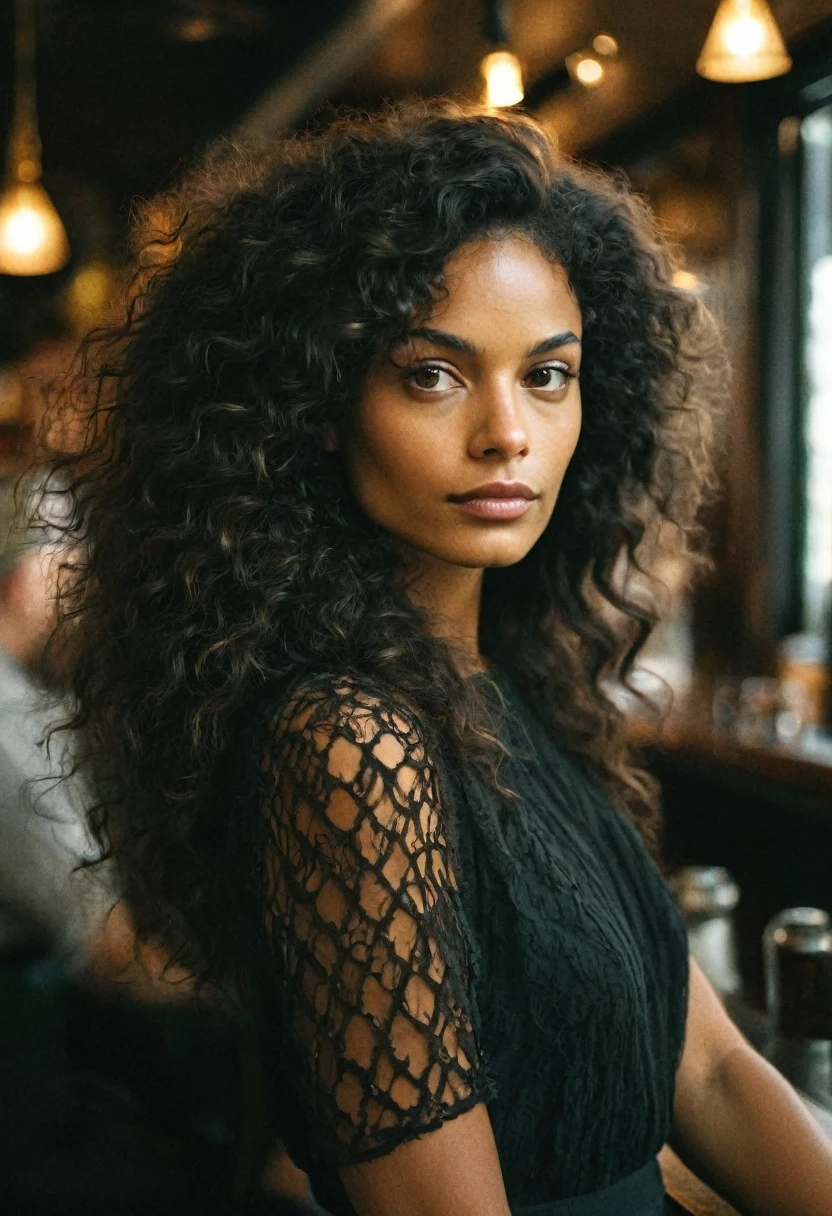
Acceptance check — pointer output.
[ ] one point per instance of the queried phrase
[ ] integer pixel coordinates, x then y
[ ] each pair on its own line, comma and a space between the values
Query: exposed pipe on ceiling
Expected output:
319, 73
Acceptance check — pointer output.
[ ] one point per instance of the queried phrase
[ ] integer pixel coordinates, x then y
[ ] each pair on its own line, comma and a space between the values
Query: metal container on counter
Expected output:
707, 897
797, 953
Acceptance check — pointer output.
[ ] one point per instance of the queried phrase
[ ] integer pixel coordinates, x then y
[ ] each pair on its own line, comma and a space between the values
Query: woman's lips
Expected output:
496, 500
495, 508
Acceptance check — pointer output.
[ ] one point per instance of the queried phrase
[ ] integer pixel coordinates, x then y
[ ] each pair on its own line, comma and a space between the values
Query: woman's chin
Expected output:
480, 556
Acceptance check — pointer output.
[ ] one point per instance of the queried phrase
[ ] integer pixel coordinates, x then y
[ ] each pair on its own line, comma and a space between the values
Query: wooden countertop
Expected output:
803, 771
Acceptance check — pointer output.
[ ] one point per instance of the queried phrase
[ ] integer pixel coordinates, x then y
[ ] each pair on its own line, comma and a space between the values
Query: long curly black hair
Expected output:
222, 550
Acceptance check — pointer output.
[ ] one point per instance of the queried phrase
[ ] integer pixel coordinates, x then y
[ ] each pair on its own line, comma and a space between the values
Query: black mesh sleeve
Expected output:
365, 908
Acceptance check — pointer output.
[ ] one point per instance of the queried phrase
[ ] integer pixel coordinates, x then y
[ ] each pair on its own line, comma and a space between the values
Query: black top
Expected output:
434, 946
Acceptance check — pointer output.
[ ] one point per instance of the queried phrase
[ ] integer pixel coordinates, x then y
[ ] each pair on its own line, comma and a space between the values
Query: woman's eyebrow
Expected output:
441, 337
567, 338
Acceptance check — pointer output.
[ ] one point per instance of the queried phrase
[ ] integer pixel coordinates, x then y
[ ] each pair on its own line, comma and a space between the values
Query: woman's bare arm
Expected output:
454, 1169
376, 958
739, 1125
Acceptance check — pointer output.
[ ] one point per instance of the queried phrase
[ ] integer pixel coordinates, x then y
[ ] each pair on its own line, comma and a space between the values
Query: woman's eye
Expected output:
552, 377
431, 378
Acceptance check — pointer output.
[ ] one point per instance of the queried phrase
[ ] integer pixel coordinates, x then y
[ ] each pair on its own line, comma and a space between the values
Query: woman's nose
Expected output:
501, 427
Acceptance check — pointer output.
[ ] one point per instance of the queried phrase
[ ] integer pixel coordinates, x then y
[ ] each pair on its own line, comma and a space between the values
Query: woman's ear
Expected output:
329, 439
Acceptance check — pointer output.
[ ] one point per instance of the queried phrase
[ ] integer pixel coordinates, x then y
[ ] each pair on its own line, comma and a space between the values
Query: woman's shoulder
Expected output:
347, 767
326, 704
354, 746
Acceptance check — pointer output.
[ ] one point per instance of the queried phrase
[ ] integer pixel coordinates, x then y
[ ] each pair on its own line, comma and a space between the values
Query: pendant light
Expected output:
743, 44
588, 67
33, 240
501, 69
503, 79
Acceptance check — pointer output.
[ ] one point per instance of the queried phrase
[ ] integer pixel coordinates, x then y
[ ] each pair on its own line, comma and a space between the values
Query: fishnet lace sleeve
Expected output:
366, 914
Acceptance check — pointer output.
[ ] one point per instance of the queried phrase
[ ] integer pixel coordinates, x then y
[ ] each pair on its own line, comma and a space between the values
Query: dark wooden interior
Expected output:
129, 93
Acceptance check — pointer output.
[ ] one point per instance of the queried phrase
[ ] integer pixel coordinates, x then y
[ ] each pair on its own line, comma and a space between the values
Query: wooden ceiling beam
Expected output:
320, 73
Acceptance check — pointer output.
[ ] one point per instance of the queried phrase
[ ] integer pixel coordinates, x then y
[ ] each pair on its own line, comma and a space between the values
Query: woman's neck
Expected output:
450, 595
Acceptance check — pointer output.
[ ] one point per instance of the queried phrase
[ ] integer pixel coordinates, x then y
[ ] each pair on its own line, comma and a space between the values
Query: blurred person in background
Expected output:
393, 404
114, 1106
119, 1094
43, 832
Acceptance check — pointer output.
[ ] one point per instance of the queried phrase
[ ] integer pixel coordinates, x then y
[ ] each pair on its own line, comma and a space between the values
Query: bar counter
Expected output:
765, 813
799, 775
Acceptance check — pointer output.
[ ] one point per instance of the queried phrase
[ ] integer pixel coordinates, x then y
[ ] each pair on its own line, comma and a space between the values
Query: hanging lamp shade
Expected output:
743, 44
33, 240
503, 79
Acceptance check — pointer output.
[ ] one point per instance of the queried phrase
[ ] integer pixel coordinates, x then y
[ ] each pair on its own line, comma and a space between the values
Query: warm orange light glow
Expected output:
32, 238
11, 395
586, 68
89, 295
503, 79
743, 44
590, 72
685, 281
196, 29
605, 44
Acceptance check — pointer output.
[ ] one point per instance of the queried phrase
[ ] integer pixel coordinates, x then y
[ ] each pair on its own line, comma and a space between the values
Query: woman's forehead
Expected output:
503, 281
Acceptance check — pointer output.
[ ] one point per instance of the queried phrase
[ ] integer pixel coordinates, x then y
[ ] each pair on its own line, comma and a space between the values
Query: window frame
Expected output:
775, 131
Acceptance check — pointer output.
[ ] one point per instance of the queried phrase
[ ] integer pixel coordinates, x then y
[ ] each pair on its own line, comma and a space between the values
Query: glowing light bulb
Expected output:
744, 36
584, 67
589, 72
503, 79
32, 238
743, 44
24, 231
606, 45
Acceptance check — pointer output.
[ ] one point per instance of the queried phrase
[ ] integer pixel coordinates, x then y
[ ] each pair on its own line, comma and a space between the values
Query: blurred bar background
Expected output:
739, 173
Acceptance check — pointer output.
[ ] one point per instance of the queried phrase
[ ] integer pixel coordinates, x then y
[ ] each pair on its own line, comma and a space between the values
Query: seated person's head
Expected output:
28, 569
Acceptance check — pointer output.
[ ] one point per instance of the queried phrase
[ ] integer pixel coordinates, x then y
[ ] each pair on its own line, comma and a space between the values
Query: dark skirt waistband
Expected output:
639, 1194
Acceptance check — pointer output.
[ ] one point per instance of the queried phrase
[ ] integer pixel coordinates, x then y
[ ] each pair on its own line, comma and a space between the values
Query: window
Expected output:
816, 364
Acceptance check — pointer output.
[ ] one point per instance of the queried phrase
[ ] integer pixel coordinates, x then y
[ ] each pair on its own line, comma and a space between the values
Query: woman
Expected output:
362, 568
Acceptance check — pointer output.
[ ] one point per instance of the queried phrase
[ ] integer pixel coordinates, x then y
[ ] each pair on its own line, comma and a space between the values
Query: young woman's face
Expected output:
459, 444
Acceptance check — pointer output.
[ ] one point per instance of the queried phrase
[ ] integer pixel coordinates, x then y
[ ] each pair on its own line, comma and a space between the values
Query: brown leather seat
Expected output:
688, 1191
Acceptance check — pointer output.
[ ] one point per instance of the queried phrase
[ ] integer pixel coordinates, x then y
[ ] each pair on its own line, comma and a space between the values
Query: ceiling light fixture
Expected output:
501, 68
743, 44
587, 67
503, 79
33, 240
606, 45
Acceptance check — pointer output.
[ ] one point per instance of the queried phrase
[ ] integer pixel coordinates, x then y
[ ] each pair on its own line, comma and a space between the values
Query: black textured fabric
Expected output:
433, 946
639, 1194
